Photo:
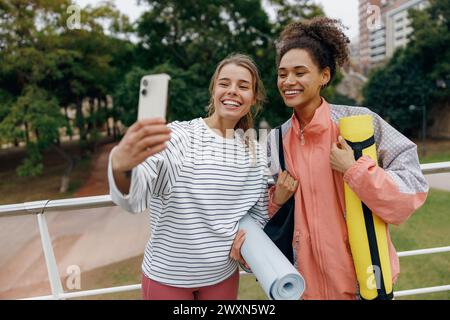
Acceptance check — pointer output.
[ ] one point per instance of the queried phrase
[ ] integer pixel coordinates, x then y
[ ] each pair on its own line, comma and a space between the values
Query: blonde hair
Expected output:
241, 60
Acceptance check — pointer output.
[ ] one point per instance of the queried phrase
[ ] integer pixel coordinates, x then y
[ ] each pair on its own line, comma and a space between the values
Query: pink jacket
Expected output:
393, 191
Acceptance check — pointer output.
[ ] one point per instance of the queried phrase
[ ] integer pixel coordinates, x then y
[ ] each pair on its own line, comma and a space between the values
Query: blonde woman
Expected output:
198, 178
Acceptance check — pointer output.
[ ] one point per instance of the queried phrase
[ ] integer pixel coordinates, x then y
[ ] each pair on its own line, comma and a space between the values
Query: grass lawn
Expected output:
436, 151
15, 189
441, 157
428, 227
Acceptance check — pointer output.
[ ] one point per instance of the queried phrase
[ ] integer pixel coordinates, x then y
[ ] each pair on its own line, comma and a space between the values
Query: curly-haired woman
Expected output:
318, 161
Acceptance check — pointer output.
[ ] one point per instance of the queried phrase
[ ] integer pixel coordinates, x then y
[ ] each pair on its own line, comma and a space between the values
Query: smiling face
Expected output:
233, 93
300, 79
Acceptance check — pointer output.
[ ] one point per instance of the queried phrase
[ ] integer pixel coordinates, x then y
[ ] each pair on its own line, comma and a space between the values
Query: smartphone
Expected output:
153, 96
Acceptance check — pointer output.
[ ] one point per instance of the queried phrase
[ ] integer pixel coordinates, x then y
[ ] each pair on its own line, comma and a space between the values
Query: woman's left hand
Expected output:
342, 156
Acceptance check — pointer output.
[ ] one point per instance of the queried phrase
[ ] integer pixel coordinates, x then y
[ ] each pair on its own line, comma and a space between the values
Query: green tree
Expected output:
32, 114
187, 98
45, 66
430, 44
183, 33
287, 11
195, 35
392, 89
97, 60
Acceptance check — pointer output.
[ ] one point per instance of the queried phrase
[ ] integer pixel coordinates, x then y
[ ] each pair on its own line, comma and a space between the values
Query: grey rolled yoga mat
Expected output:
279, 279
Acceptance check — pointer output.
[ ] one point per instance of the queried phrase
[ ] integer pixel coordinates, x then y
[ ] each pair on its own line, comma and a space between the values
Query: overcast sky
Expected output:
345, 10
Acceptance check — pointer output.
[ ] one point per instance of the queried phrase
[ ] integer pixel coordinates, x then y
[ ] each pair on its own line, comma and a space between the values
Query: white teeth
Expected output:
288, 92
229, 102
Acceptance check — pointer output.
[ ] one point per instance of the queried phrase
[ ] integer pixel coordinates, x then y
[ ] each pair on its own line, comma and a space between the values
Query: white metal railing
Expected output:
40, 207
133, 287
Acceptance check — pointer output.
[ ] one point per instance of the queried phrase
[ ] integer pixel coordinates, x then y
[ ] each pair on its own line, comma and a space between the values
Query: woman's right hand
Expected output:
285, 188
142, 140
235, 253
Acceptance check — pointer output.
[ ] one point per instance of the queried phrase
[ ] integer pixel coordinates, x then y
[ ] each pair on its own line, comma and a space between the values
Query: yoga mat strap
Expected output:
358, 147
374, 253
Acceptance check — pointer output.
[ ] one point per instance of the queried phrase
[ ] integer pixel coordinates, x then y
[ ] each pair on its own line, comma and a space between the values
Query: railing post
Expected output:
50, 260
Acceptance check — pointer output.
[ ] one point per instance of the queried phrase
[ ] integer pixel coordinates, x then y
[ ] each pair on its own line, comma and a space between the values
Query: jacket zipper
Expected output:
317, 244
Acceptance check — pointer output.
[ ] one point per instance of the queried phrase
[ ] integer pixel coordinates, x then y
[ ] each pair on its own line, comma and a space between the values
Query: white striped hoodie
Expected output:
196, 190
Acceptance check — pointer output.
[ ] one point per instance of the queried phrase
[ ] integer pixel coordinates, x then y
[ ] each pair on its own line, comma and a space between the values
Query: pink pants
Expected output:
225, 290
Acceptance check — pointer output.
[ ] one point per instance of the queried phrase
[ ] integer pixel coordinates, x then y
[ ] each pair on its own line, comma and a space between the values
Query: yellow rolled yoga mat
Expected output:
366, 231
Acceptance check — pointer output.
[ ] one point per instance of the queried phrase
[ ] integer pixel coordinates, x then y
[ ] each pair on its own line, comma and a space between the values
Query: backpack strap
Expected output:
281, 149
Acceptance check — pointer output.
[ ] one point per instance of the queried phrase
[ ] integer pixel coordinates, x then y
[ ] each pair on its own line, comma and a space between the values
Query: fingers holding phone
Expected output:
142, 140
149, 134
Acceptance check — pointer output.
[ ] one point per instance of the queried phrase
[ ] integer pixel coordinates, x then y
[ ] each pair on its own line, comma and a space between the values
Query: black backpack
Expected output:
280, 228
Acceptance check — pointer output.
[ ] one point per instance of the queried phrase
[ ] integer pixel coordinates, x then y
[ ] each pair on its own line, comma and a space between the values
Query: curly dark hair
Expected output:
322, 37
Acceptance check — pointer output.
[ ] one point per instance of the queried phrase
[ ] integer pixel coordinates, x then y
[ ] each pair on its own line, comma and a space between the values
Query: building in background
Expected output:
354, 54
377, 46
398, 23
379, 40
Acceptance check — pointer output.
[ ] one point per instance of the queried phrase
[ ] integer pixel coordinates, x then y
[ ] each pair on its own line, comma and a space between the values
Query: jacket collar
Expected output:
319, 122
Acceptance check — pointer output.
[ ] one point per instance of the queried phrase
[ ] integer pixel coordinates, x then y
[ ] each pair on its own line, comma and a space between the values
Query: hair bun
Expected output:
323, 38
